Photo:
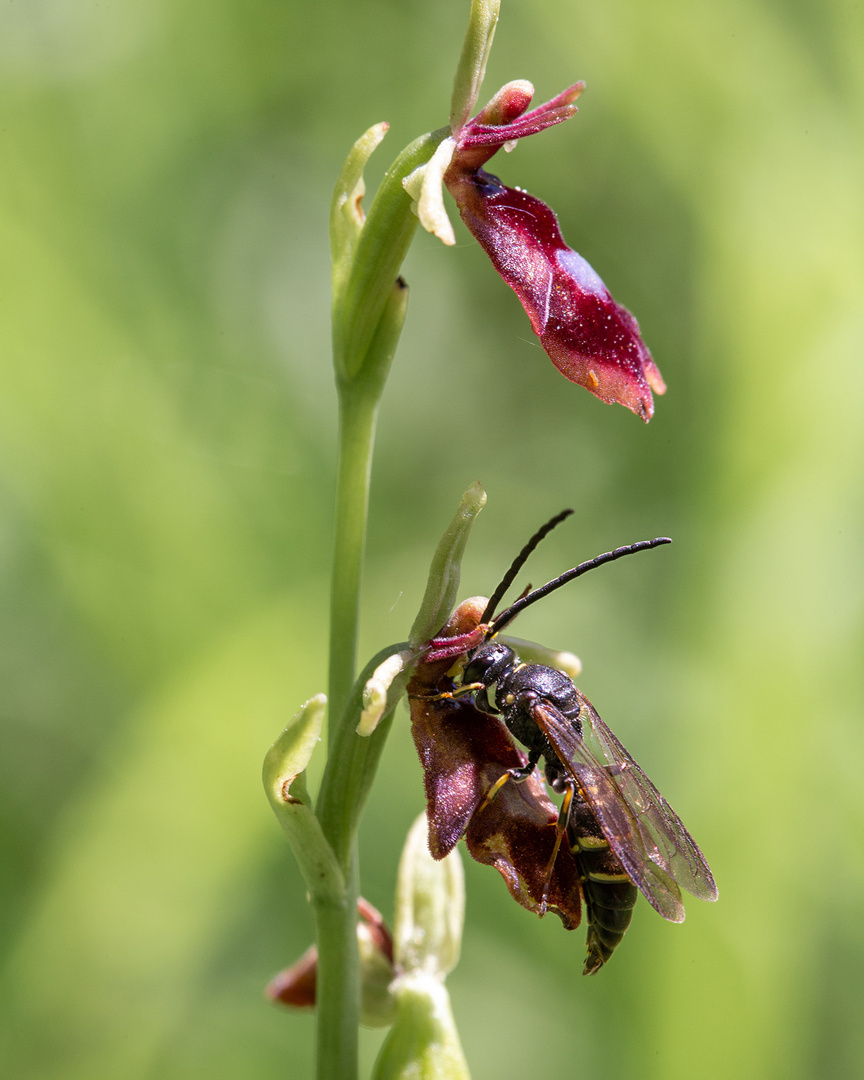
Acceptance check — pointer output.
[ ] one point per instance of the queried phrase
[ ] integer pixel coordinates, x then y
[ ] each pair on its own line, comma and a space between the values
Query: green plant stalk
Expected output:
337, 988
338, 980
359, 398
369, 303
357, 419
351, 759
347, 779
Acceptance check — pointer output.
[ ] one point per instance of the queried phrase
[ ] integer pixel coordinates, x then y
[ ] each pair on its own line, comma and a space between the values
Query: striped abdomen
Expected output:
609, 893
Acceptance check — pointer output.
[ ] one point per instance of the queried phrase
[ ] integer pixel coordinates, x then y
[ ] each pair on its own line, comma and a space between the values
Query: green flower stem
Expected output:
337, 985
358, 411
357, 418
351, 765
340, 799
472, 62
338, 980
369, 303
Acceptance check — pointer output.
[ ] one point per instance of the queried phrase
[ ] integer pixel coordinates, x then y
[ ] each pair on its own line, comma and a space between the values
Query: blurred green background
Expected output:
166, 447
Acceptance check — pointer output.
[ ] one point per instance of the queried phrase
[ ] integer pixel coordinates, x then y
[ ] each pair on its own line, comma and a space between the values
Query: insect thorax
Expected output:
514, 690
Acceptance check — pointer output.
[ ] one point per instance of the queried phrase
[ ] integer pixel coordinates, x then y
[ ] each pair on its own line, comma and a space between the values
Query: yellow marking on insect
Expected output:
591, 843
609, 879
509, 699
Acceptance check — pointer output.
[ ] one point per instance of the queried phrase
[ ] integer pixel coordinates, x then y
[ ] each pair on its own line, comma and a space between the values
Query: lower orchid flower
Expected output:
464, 754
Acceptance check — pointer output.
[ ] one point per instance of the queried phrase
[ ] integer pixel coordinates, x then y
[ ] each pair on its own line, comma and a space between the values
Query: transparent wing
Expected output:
643, 830
685, 863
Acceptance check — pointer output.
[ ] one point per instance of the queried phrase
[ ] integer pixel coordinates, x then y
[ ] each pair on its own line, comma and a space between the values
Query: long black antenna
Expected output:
520, 561
509, 614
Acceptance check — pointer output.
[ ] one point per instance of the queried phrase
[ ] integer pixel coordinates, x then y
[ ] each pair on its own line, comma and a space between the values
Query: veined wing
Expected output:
643, 830
685, 860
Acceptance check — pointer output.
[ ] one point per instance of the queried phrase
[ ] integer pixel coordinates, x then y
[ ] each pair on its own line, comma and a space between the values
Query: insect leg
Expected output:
560, 830
449, 695
516, 775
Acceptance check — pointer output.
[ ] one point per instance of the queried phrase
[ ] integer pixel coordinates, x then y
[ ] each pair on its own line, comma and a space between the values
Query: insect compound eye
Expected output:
488, 663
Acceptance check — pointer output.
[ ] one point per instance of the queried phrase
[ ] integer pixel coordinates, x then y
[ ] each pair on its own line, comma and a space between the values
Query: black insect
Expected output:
621, 831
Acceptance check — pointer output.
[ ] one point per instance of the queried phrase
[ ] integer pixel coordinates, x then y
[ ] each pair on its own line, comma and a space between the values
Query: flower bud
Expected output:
296, 986
430, 906
423, 1044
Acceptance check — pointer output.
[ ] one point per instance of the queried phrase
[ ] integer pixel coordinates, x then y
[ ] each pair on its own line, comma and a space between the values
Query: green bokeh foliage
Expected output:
166, 475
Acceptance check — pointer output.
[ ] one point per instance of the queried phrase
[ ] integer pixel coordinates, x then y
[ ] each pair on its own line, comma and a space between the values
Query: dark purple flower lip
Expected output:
464, 753
591, 339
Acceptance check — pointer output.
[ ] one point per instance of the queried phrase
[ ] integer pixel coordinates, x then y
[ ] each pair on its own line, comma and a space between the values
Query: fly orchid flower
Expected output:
590, 338
464, 753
